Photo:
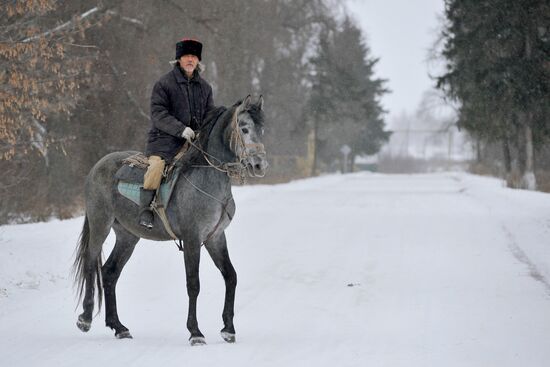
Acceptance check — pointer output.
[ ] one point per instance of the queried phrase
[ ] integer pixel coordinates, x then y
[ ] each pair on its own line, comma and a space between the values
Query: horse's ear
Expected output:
246, 103
260, 102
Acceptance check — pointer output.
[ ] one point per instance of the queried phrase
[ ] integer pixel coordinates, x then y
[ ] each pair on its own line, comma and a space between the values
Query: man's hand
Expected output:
188, 134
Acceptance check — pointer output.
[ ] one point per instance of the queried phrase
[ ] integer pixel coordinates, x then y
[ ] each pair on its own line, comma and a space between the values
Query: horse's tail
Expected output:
84, 264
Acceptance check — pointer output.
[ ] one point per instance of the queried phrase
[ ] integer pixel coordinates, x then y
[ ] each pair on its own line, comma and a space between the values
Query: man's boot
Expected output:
146, 216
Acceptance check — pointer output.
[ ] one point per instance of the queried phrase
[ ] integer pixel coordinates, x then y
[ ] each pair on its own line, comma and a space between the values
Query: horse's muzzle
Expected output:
257, 165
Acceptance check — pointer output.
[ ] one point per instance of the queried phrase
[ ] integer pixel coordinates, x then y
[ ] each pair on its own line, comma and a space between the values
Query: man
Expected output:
179, 103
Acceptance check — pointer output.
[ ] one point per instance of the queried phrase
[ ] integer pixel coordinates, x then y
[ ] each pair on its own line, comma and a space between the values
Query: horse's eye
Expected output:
245, 130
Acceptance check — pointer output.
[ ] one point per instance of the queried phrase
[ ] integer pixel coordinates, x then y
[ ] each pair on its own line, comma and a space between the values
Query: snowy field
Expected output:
356, 270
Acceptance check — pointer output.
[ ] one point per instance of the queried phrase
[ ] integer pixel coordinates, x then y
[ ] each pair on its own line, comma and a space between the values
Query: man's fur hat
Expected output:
188, 46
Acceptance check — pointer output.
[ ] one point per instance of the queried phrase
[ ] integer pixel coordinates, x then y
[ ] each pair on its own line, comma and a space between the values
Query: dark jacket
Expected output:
176, 102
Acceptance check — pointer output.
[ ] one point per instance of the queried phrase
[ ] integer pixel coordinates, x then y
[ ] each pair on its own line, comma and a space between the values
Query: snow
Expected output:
444, 269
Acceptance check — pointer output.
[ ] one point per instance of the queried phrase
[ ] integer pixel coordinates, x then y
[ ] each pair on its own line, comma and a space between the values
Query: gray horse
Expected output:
200, 208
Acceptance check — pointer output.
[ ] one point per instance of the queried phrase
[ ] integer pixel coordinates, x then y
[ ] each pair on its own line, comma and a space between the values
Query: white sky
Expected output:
400, 32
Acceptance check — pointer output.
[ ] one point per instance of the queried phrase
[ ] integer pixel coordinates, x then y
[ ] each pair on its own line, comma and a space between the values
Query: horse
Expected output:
200, 209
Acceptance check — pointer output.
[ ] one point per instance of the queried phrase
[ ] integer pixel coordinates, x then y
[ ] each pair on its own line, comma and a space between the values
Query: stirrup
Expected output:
146, 222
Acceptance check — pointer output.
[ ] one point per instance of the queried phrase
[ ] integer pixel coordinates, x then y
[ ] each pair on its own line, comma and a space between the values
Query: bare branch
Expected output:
83, 46
62, 26
136, 22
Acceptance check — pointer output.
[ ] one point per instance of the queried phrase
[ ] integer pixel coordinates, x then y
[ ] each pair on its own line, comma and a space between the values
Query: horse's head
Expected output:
247, 129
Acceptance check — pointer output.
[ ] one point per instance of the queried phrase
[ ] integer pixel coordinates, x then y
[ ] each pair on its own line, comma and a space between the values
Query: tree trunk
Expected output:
315, 147
529, 180
507, 156
515, 149
478, 150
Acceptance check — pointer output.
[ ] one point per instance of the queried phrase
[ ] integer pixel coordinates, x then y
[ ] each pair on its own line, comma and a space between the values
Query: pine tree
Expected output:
496, 52
345, 101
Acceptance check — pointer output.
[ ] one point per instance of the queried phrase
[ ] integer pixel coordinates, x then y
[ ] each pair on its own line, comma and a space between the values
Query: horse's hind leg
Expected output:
124, 247
218, 252
96, 229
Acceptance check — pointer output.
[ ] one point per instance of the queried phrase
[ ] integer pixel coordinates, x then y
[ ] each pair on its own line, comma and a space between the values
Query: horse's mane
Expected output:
257, 114
194, 156
210, 120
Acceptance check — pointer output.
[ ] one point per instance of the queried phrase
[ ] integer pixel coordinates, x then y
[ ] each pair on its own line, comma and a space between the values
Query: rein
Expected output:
233, 169
237, 169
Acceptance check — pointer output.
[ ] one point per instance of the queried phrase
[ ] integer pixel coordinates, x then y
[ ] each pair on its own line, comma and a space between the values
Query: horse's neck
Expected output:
214, 181
218, 141
200, 188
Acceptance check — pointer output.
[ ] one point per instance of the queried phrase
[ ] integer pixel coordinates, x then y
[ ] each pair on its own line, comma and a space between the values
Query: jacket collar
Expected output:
182, 78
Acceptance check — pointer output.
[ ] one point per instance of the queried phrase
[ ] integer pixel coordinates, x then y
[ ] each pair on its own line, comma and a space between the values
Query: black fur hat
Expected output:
188, 46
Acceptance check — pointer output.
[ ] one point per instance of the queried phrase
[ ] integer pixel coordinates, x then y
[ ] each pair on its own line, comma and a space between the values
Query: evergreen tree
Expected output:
497, 69
345, 101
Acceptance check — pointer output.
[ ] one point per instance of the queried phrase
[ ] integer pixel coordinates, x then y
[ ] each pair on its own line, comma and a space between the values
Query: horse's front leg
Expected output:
192, 259
219, 254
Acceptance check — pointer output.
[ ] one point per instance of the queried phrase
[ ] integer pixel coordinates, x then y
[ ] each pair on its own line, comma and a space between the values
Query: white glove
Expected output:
188, 134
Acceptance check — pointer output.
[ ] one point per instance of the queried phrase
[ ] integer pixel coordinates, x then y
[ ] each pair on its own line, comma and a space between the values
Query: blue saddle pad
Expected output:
130, 190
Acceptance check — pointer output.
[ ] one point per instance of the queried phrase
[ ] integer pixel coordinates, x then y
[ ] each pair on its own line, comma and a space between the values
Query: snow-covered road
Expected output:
356, 270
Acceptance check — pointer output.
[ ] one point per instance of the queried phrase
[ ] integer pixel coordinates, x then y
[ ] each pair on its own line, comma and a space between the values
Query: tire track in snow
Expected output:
513, 245
522, 257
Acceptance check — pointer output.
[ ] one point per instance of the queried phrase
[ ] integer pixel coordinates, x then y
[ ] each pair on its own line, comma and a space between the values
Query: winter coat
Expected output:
177, 102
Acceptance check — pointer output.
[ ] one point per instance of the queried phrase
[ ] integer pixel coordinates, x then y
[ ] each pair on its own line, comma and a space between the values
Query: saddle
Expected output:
133, 168
130, 180
130, 176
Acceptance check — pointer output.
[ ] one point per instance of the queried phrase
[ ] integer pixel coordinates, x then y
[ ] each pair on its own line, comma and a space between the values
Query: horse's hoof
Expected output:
228, 337
83, 324
197, 340
124, 335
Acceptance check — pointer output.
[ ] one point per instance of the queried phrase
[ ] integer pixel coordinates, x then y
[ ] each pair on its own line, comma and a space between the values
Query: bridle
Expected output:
238, 168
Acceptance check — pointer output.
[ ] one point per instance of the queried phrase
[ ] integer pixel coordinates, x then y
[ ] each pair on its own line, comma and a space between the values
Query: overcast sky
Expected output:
400, 32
